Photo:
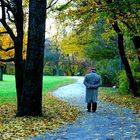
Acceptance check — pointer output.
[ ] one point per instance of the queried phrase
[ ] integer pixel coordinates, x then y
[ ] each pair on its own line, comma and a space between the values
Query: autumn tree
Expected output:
129, 17
28, 68
14, 11
127, 12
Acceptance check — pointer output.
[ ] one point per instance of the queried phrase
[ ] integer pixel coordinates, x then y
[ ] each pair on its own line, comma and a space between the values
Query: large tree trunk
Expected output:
32, 90
18, 42
136, 41
131, 81
19, 69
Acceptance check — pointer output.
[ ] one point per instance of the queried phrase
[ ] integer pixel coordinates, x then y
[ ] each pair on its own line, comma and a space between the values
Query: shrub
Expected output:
47, 71
123, 83
108, 70
10, 69
137, 77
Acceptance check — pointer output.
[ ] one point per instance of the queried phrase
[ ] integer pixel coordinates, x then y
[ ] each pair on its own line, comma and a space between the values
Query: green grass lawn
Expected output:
8, 90
109, 91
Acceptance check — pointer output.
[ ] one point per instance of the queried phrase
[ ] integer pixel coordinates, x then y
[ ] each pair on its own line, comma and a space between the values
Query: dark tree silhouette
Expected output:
32, 88
132, 83
28, 77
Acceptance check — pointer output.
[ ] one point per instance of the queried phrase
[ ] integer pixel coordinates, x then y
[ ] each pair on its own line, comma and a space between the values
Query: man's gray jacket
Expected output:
92, 82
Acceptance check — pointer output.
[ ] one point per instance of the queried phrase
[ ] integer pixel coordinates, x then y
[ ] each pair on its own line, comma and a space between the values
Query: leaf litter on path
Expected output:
55, 113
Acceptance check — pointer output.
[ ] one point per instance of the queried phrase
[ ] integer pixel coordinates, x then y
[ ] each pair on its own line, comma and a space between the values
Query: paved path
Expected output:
110, 122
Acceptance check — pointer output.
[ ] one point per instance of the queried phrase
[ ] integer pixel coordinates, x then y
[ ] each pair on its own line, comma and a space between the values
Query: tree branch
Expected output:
66, 4
9, 8
52, 4
128, 26
3, 10
116, 28
7, 60
9, 30
4, 32
9, 17
3, 21
7, 49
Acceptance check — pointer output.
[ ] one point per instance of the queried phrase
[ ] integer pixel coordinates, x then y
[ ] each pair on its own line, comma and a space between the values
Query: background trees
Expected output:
51, 58
119, 21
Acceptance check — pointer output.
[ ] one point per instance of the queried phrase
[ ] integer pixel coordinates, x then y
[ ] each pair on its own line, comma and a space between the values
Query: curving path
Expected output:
110, 122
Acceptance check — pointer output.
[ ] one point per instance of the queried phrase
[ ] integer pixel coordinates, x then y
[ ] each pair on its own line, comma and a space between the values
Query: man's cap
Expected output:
93, 69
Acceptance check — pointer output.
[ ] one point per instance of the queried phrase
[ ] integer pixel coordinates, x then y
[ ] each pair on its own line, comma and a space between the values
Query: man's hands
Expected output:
92, 87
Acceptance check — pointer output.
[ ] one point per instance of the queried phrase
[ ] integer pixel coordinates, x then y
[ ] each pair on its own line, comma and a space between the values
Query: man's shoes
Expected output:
94, 107
89, 107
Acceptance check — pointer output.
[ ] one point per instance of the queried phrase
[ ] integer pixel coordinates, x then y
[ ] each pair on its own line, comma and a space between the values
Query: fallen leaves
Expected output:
55, 113
123, 100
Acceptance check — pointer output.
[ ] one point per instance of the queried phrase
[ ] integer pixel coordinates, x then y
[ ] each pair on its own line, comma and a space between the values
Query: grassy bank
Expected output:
127, 100
55, 112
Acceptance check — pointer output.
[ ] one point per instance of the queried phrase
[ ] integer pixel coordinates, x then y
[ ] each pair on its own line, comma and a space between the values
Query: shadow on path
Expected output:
110, 122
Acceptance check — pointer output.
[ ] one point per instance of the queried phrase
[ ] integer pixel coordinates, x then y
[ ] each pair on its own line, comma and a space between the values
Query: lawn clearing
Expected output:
55, 112
8, 89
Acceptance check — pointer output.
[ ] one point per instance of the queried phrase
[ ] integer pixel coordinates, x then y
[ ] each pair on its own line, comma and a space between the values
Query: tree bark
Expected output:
1, 73
132, 83
136, 41
18, 43
32, 89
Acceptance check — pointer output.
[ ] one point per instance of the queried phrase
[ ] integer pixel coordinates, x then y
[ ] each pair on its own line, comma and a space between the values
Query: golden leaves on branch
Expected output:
71, 45
94, 18
7, 42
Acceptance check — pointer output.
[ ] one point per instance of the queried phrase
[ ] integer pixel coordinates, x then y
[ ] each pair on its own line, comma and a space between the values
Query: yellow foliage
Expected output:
107, 34
73, 44
107, 20
94, 18
7, 42
93, 4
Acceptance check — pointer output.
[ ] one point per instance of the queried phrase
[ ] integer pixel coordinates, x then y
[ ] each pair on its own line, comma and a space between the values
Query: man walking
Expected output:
92, 82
